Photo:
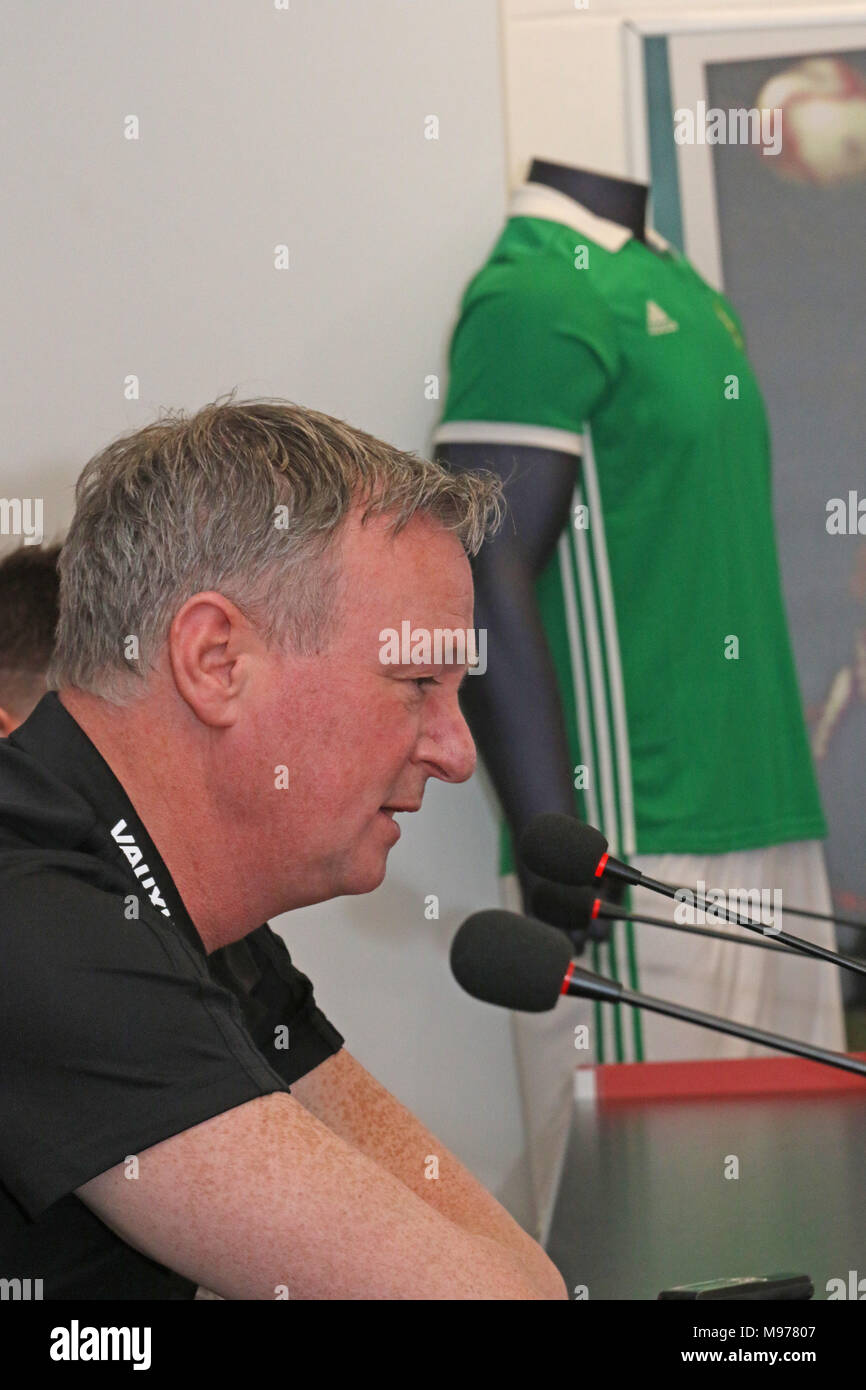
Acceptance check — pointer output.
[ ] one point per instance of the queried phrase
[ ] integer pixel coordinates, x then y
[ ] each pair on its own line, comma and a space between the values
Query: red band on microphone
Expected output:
601, 863
595, 907
567, 981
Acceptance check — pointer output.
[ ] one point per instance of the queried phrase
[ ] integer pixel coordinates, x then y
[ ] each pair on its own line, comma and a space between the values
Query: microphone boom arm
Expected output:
588, 986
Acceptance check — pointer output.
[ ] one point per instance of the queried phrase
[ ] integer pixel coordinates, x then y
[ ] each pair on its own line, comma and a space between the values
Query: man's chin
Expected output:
367, 877
343, 882
366, 881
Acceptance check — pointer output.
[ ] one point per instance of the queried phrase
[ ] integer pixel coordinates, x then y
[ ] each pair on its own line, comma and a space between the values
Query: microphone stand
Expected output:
806, 948
854, 923
609, 913
588, 986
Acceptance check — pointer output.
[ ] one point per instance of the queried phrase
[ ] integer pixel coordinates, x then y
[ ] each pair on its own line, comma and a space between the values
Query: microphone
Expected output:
502, 958
578, 910
564, 849
518, 963
573, 910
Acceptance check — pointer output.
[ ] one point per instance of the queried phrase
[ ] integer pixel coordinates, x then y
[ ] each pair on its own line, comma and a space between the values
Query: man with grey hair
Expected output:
223, 743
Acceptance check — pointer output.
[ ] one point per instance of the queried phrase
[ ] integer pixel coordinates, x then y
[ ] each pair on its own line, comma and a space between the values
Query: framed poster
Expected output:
752, 135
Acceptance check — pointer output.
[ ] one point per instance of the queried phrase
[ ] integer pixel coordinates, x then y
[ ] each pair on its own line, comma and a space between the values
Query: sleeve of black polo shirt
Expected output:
114, 1033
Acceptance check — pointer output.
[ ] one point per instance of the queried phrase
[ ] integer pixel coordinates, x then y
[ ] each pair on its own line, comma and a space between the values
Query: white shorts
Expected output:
785, 994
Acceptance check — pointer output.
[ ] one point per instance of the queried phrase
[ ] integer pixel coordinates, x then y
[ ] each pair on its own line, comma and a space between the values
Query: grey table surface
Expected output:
644, 1203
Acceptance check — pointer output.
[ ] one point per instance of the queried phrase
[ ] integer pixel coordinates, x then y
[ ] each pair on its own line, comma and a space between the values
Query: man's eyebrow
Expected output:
423, 667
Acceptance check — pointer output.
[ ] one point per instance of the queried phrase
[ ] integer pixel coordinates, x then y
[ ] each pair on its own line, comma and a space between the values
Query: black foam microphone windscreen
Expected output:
516, 962
562, 848
570, 909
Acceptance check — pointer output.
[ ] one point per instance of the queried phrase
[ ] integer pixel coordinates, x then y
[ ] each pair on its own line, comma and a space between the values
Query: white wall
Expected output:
155, 257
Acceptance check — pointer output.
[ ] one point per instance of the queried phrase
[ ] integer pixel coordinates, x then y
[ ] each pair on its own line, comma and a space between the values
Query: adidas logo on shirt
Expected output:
657, 321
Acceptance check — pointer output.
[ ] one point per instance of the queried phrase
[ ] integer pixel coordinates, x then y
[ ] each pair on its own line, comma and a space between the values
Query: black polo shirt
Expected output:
117, 1030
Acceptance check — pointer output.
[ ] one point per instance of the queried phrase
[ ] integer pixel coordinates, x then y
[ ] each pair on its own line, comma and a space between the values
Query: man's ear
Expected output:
211, 646
8, 722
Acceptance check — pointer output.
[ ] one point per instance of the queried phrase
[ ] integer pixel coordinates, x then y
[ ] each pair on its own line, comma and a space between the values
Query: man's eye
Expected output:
424, 680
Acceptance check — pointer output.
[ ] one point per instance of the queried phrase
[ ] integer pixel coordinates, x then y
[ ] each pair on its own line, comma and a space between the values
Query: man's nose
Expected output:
448, 745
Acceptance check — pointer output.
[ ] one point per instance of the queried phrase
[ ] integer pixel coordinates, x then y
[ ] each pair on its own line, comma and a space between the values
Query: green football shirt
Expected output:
663, 604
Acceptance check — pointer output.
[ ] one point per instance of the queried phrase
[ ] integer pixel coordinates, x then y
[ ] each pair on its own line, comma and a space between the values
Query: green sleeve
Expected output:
534, 345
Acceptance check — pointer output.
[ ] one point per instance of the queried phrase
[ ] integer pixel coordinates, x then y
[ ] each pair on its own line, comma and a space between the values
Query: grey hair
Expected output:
243, 498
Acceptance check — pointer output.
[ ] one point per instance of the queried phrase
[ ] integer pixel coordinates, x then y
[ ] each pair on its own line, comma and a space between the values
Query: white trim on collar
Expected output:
538, 200
656, 239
